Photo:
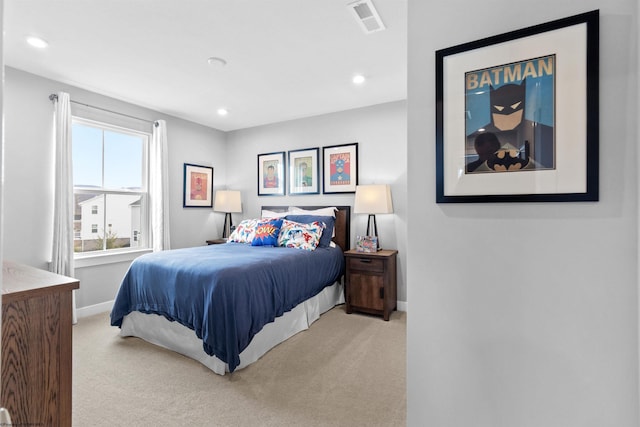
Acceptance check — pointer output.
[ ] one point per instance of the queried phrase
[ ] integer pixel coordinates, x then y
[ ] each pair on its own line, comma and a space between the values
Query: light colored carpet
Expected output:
346, 370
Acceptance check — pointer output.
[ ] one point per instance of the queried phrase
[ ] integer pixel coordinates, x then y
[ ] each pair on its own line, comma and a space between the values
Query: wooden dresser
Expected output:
36, 345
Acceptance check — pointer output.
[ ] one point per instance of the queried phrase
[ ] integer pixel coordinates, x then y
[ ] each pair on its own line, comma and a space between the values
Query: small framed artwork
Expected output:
367, 244
340, 168
198, 186
304, 174
517, 115
271, 174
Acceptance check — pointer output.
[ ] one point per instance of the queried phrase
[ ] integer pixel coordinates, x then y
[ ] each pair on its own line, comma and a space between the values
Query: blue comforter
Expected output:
225, 293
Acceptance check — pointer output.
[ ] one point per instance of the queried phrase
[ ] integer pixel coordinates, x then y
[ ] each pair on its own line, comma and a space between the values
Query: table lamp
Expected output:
227, 201
373, 199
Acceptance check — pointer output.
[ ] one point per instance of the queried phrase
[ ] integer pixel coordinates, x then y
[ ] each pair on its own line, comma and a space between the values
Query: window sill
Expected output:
82, 261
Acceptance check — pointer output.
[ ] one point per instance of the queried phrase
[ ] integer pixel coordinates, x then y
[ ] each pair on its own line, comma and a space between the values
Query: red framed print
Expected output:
198, 186
340, 168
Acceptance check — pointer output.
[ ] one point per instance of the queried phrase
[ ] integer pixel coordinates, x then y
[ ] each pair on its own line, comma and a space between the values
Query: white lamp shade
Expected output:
227, 201
373, 199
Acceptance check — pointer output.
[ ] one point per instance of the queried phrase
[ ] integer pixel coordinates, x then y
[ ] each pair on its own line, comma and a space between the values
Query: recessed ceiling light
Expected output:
222, 111
214, 61
358, 79
37, 42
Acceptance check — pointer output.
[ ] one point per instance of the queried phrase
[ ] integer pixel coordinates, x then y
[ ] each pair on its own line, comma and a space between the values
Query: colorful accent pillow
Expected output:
244, 232
300, 236
267, 232
328, 221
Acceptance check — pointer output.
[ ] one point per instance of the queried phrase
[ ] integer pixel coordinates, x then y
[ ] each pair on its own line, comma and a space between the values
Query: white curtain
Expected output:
158, 187
62, 250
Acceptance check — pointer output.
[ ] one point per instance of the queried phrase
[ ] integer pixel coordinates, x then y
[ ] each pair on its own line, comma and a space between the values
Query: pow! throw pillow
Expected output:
267, 232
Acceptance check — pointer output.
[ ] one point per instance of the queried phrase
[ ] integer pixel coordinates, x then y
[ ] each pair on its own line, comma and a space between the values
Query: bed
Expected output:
226, 305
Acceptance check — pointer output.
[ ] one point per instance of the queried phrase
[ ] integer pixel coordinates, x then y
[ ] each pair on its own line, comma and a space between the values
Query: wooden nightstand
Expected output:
216, 241
371, 282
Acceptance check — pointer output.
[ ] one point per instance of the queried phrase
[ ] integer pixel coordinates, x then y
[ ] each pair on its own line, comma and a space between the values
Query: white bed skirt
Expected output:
157, 330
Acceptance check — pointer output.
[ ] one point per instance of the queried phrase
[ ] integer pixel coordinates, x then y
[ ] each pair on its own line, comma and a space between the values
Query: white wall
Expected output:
528, 312
28, 174
381, 134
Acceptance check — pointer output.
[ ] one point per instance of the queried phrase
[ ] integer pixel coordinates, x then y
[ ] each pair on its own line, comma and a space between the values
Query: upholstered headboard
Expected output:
342, 236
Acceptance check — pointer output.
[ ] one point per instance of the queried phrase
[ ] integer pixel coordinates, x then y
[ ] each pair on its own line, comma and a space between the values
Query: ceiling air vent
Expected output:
367, 16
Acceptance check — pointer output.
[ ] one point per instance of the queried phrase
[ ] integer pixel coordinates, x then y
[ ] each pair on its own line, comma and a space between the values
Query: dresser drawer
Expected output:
375, 265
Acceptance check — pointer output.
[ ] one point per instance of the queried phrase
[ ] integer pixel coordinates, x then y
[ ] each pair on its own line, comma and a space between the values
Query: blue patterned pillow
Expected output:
267, 232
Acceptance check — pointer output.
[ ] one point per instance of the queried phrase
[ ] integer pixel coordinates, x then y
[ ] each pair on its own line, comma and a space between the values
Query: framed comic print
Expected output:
517, 115
340, 168
198, 186
271, 174
304, 171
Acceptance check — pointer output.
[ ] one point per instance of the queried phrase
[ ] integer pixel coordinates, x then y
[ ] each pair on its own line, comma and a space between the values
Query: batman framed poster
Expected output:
517, 115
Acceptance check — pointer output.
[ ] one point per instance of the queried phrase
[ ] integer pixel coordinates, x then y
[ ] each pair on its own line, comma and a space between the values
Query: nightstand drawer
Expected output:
375, 265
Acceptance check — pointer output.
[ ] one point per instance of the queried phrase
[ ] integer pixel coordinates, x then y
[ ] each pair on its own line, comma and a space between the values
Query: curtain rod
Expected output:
54, 98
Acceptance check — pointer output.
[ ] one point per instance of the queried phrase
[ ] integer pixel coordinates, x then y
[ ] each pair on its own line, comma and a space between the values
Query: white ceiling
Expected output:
286, 59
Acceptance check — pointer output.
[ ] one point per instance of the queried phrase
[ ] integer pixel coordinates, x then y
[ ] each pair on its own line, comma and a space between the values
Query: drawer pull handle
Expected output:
365, 260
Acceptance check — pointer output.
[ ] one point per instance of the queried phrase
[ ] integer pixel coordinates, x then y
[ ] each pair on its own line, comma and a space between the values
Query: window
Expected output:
110, 168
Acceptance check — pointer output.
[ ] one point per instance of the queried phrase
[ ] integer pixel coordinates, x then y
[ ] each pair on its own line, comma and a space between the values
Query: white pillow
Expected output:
331, 211
267, 214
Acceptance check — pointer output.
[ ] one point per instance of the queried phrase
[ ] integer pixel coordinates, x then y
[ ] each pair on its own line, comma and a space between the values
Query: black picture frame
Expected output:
272, 184
197, 190
304, 171
342, 178
553, 165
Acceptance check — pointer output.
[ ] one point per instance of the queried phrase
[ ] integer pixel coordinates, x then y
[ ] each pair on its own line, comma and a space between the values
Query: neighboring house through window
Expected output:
110, 169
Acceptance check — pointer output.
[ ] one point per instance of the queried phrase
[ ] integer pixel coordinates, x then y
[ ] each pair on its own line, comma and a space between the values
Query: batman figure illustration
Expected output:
524, 144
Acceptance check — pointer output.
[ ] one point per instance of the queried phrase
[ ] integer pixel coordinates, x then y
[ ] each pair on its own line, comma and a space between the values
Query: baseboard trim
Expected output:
94, 309
402, 305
